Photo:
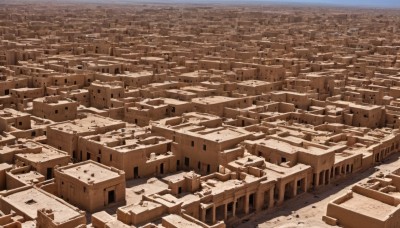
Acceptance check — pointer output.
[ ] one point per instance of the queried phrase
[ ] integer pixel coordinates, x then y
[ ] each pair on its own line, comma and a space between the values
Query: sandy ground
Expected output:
307, 209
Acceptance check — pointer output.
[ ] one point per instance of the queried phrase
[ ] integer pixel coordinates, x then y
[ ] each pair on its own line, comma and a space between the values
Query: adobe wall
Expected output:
141, 218
45, 220
61, 140
3, 177
379, 196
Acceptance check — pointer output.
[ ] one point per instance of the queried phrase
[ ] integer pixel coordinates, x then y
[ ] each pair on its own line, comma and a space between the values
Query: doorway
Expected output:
111, 197
49, 173
162, 168
135, 172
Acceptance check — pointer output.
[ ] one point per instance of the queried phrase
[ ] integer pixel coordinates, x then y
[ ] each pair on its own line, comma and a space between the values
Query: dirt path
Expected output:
307, 209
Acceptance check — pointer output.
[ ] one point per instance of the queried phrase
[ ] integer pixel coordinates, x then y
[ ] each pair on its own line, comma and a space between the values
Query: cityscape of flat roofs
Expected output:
209, 114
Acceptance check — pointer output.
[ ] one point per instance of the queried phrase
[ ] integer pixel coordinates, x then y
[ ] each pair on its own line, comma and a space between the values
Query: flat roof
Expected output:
180, 222
225, 134
142, 187
47, 154
138, 74
88, 172
253, 83
276, 171
30, 200
30, 177
54, 101
279, 145
368, 206
88, 124
213, 100
141, 207
172, 101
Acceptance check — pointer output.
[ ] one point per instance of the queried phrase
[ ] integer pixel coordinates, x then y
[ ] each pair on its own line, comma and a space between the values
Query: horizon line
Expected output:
298, 3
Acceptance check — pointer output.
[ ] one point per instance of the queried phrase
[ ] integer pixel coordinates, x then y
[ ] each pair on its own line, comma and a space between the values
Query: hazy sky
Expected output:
368, 3
358, 3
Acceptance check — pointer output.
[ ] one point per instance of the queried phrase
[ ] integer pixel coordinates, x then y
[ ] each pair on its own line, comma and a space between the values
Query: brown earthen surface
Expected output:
198, 115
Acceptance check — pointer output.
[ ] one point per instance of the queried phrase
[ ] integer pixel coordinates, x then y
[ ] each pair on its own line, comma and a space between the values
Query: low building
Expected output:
29, 201
55, 108
64, 136
362, 207
90, 185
